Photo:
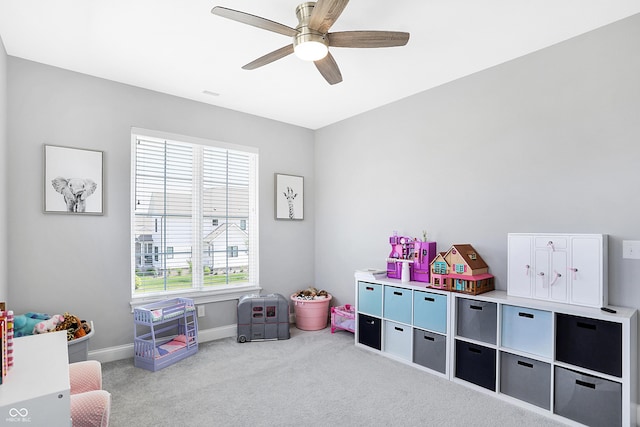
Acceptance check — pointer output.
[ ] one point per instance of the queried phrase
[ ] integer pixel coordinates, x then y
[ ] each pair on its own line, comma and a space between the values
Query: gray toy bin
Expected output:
79, 347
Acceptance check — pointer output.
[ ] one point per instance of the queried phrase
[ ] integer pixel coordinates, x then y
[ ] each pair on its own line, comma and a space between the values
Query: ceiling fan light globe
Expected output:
311, 50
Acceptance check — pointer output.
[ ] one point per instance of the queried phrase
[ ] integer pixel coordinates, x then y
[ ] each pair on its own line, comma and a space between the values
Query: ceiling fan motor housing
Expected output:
315, 42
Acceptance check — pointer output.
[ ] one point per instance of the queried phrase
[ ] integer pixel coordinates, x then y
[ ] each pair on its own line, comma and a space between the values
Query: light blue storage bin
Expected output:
397, 304
430, 311
527, 330
370, 298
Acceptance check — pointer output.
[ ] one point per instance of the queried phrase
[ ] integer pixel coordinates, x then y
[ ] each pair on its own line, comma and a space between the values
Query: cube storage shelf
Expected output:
165, 332
516, 349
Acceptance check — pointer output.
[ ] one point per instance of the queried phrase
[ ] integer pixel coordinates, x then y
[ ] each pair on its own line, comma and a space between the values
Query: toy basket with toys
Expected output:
79, 332
311, 307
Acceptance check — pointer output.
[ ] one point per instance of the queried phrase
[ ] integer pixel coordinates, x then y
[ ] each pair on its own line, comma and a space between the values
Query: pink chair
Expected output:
90, 405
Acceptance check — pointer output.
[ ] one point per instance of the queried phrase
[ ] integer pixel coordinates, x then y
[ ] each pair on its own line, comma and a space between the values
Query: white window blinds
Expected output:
195, 216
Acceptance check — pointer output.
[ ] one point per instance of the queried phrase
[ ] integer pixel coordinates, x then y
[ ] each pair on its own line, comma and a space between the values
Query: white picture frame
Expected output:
289, 197
73, 181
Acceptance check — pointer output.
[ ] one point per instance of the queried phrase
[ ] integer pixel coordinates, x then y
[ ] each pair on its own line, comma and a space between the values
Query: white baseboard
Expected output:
111, 354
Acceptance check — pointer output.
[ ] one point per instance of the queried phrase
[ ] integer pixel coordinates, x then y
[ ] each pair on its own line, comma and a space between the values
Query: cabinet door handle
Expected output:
397, 293
426, 337
398, 329
525, 364
586, 384
475, 350
586, 326
475, 307
429, 299
527, 315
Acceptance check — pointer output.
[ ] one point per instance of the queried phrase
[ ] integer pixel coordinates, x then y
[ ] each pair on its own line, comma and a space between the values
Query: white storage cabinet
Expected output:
568, 361
566, 268
404, 321
573, 363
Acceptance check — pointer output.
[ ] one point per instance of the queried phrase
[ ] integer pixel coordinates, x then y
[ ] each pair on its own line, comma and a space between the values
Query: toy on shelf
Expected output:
410, 258
343, 317
423, 255
400, 257
461, 269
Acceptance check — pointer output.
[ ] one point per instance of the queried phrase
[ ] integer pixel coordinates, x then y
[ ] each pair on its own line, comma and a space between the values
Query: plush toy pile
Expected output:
311, 293
39, 323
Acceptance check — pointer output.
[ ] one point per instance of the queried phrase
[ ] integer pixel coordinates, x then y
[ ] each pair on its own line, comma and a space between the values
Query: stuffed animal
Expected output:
48, 325
23, 324
73, 325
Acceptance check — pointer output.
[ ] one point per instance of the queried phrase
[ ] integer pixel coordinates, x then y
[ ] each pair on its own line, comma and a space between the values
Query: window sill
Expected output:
204, 296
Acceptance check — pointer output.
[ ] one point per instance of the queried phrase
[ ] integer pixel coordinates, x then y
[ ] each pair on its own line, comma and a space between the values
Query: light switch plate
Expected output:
631, 249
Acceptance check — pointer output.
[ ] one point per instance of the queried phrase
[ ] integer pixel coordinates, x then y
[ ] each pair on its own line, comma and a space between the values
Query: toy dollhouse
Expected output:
461, 269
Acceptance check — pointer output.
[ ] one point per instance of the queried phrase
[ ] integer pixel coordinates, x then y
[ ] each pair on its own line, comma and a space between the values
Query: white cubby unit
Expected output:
405, 321
572, 363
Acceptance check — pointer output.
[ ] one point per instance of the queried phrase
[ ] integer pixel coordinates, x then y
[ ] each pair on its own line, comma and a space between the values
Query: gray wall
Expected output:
4, 182
81, 264
549, 142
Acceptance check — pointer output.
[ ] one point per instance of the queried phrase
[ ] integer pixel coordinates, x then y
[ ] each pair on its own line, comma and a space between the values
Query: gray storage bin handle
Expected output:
525, 364
586, 384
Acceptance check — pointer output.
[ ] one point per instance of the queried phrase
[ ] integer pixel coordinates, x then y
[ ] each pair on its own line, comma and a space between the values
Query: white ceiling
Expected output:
178, 47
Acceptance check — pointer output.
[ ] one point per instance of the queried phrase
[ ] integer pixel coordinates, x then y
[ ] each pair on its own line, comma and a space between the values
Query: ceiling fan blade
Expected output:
269, 57
368, 39
325, 13
329, 69
256, 21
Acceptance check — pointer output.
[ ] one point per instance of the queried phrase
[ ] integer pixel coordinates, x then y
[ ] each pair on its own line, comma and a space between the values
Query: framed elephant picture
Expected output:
73, 181
289, 197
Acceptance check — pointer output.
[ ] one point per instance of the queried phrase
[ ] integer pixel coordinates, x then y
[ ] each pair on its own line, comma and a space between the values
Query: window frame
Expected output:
201, 295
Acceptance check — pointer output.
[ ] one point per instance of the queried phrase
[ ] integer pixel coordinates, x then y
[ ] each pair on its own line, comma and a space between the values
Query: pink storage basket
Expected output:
311, 315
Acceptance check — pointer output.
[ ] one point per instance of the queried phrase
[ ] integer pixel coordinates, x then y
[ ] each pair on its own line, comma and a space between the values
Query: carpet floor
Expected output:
315, 378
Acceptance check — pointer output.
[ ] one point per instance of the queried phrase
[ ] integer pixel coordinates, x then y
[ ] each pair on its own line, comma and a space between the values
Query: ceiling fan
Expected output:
311, 39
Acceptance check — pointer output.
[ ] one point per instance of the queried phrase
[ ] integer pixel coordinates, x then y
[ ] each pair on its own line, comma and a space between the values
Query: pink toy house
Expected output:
461, 269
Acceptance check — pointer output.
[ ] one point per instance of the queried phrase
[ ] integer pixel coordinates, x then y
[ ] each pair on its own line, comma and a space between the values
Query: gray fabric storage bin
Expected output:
587, 399
476, 320
525, 379
430, 350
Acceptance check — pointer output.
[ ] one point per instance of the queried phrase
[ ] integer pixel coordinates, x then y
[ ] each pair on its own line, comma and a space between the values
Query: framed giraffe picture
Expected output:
289, 191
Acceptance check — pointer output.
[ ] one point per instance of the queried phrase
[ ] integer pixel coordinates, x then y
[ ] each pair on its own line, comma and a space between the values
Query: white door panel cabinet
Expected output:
565, 268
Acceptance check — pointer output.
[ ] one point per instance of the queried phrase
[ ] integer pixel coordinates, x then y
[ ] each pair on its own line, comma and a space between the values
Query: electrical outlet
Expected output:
631, 249
201, 311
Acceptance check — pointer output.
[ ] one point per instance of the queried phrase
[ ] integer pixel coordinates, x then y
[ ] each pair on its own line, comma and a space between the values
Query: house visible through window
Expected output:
178, 187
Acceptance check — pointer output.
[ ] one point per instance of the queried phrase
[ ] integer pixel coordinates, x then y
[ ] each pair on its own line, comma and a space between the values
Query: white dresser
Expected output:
35, 392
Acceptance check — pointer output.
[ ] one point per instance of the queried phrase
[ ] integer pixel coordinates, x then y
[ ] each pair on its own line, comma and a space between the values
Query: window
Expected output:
440, 267
179, 185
